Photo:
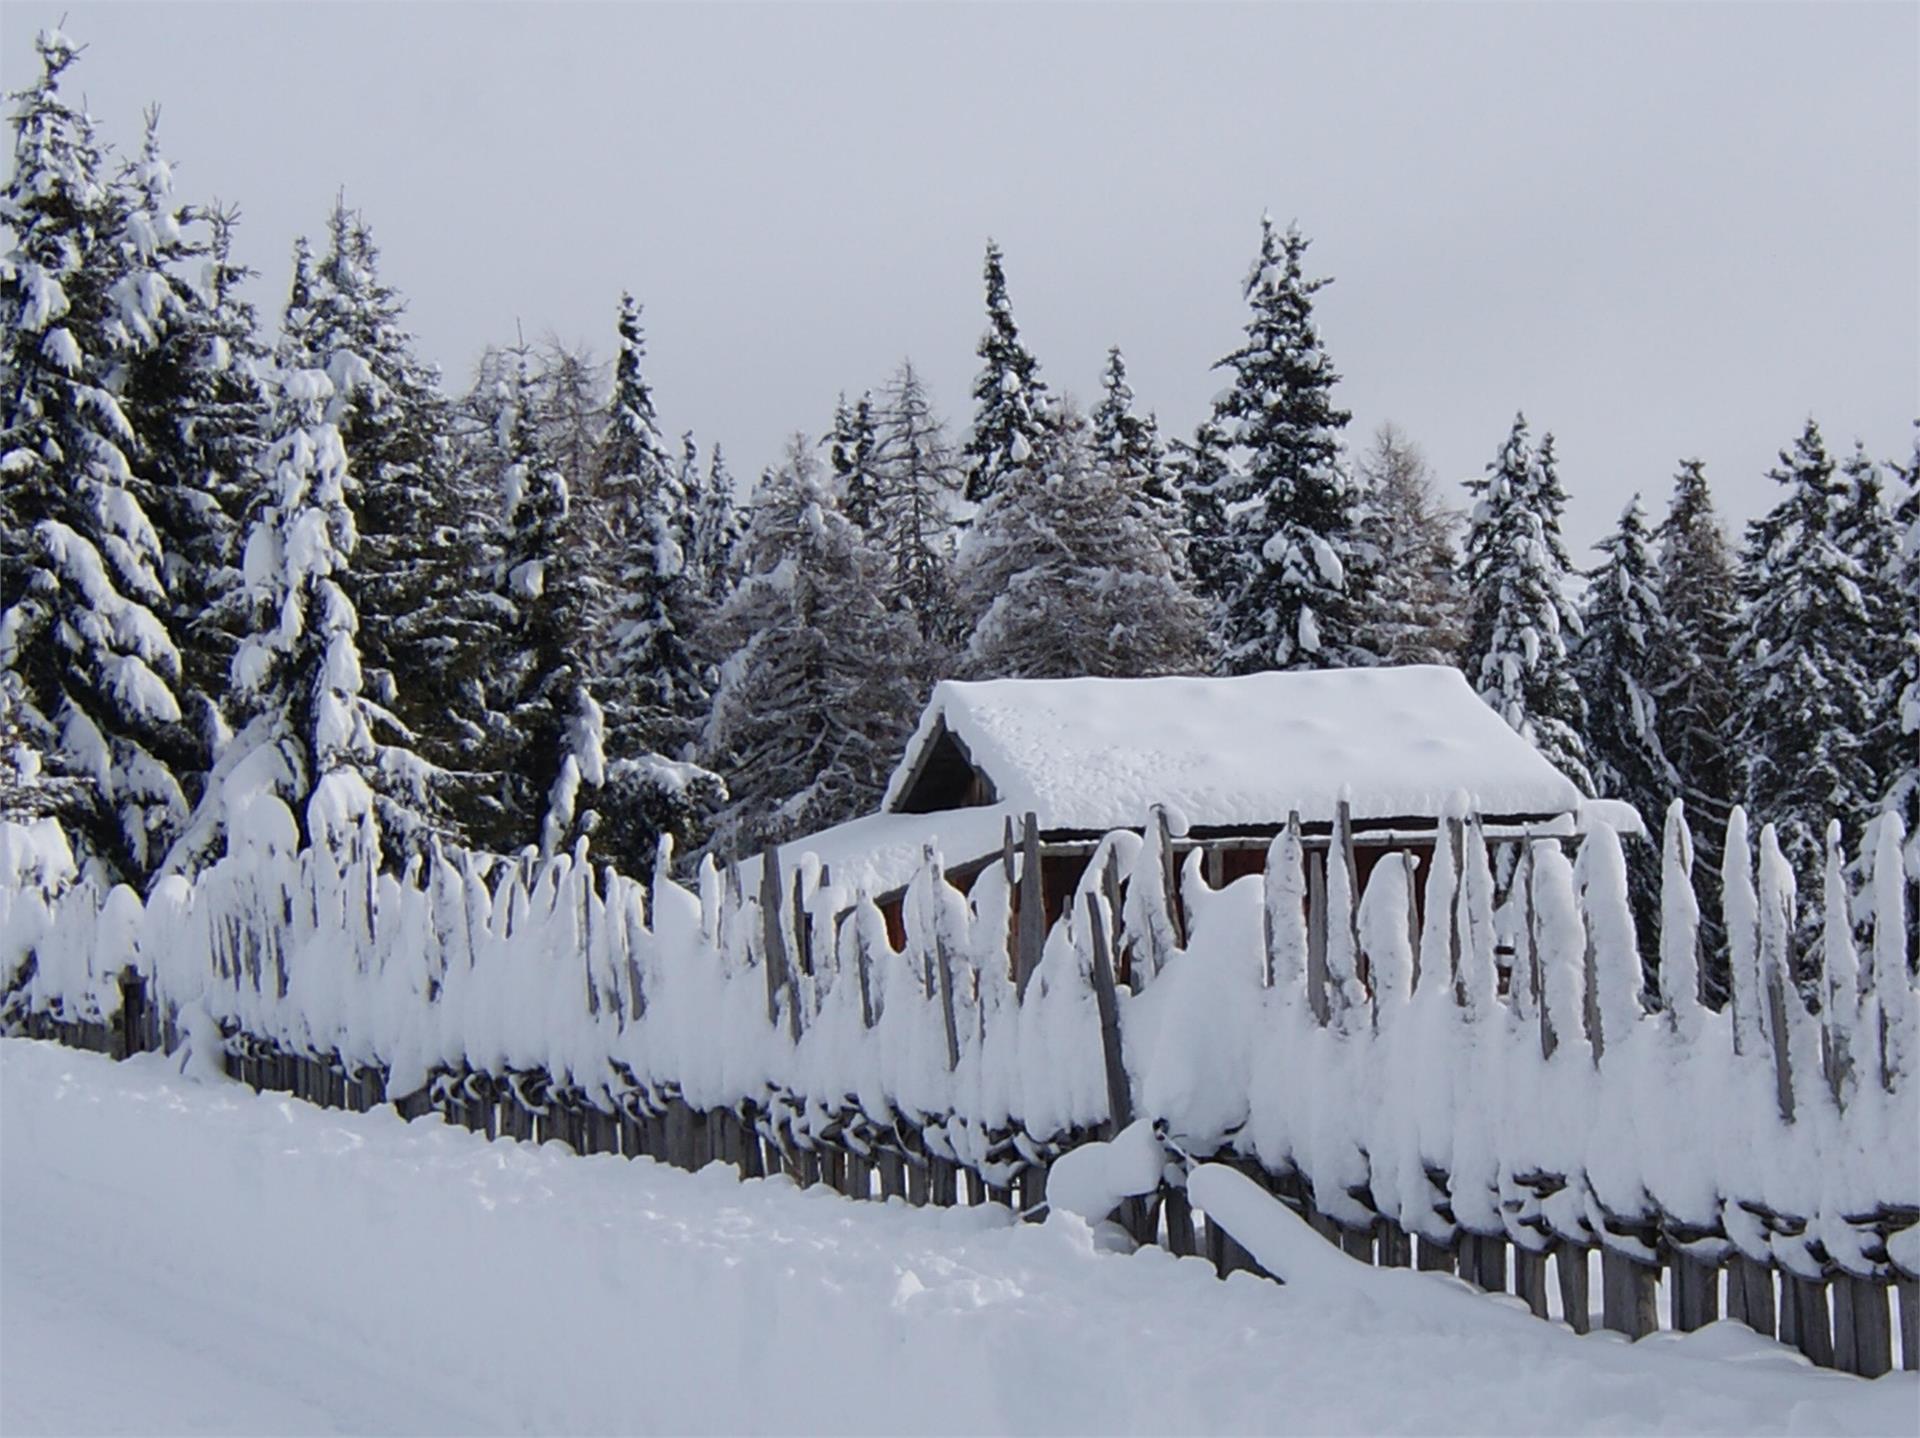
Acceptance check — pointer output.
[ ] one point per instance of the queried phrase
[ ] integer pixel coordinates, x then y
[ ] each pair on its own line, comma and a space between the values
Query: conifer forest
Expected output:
275, 553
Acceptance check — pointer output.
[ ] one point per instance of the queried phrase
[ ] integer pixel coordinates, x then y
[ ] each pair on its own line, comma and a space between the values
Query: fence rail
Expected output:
1475, 1077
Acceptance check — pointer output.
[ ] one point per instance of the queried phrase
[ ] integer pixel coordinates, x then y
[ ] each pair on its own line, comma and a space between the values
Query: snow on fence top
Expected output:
877, 854
1096, 754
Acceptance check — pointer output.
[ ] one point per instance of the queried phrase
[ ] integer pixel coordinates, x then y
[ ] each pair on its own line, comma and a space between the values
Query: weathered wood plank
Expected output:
1431, 1257
1119, 1091
1752, 1281
1177, 1213
1031, 923
1342, 853
1570, 1269
1317, 937
1908, 1290
1694, 1297
1530, 1279
943, 965
1033, 1190
1782, 1045
1813, 1323
1627, 1292
1489, 1257
1860, 1309
1170, 877
773, 942
1396, 1245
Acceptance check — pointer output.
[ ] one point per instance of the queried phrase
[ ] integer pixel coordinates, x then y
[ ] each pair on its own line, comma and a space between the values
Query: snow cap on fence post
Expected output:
1386, 938
1166, 826
1841, 998
1888, 979
1777, 895
1741, 909
1286, 911
1477, 982
1344, 994
1523, 988
1150, 915
1433, 961
1562, 941
1679, 926
1616, 949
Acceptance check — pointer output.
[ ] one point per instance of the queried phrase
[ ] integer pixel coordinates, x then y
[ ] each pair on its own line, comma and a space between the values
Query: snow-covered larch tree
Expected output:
1519, 618
1414, 607
917, 499
815, 697
1062, 575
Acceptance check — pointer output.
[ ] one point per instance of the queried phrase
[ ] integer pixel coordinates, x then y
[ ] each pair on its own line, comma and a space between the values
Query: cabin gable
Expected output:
944, 776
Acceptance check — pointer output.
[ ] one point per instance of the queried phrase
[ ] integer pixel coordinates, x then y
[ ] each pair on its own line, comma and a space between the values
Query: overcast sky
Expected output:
1661, 230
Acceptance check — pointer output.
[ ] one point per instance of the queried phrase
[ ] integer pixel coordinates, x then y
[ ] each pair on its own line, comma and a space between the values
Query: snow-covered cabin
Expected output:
1229, 760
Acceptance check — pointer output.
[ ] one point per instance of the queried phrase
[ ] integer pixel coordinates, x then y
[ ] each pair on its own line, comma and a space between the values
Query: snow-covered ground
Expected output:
178, 1256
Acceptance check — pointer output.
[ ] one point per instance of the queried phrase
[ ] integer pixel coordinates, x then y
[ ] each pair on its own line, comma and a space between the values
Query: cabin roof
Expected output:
1097, 754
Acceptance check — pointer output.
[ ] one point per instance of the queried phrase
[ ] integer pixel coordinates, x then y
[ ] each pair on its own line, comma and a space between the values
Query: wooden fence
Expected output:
1477, 1079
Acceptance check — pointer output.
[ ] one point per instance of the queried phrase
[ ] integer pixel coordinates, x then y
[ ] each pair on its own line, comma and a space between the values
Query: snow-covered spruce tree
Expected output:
1903, 790
1063, 575
717, 526
396, 426
193, 394
1414, 612
1614, 664
1129, 447
687, 480
1010, 405
34, 782
1810, 696
308, 735
544, 734
816, 695
654, 684
1288, 589
1866, 532
917, 498
1202, 479
1519, 619
83, 639
480, 656
651, 683
1691, 675
851, 451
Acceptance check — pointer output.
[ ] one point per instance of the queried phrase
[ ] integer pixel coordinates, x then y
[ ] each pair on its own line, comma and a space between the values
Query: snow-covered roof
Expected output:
1096, 754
